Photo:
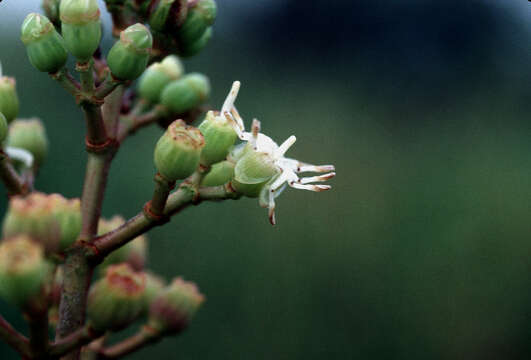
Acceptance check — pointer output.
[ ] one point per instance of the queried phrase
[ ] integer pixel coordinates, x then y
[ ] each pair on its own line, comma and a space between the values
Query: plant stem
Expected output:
107, 86
143, 337
93, 192
111, 111
140, 223
38, 328
137, 121
66, 80
13, 338
77, 339
77, 274
13, 182
160, 195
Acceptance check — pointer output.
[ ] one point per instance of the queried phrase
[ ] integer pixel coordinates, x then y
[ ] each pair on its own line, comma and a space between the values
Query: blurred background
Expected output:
422, 250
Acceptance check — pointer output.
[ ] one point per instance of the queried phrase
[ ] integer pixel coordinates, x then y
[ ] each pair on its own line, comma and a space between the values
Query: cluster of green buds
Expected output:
23, 270
51, 220
117, 299
133, 253
173, 309
165, 83
183, 26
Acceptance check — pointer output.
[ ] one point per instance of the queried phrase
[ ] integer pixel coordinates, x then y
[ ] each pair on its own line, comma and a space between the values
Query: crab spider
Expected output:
286, 168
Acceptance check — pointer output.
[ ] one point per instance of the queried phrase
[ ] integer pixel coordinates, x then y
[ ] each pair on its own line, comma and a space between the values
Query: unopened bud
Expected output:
67, 214
184, 94
33, 216
193, 48
129, 56
168, 14
219, 137
29, 134
178, 151
8, 98
200, 17
174, 308
117, 299
157, 76
81, 27
44, 46
133, 253
23, 270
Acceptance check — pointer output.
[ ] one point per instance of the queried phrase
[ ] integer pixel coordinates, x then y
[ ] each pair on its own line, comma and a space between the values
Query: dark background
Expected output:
421, 250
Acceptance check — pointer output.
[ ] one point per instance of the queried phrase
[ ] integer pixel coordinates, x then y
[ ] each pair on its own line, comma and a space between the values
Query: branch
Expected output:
38, 328
145, 336
107, 86
13, 338
132, 122
76, 340
13, 182
186, 195
67, 81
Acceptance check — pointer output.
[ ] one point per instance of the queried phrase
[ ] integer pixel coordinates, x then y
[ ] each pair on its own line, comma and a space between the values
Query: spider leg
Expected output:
302, 167
231, 97
316, 188
320, 178
255, 130
285, 146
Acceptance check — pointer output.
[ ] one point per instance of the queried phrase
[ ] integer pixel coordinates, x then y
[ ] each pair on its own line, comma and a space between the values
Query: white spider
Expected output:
287, 168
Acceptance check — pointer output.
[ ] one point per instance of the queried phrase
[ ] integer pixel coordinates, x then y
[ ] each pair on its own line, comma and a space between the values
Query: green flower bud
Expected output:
219, 174
81, 27
200, 17
67, 214
168, 14
178, 151
8, 98
133, 253
29, 134
3, 128
219, 137
45, 47
194, 47
184, 94
157, 76
33, 216
23, 270
129, 56
174, 308
117, 299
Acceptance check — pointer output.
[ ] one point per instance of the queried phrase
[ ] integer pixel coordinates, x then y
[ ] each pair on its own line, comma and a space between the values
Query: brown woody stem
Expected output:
38, 328
77, 339
143, 337
185, 196
13, 338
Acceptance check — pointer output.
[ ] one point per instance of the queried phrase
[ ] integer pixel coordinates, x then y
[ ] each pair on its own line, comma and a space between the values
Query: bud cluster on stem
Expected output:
61, 263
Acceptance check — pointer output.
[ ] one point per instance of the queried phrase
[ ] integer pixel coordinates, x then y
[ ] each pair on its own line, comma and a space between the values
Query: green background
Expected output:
421, 250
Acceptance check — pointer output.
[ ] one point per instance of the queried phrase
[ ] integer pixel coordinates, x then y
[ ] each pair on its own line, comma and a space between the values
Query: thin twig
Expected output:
13, 338
145, 336
77, 339
67, 81
107, 86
